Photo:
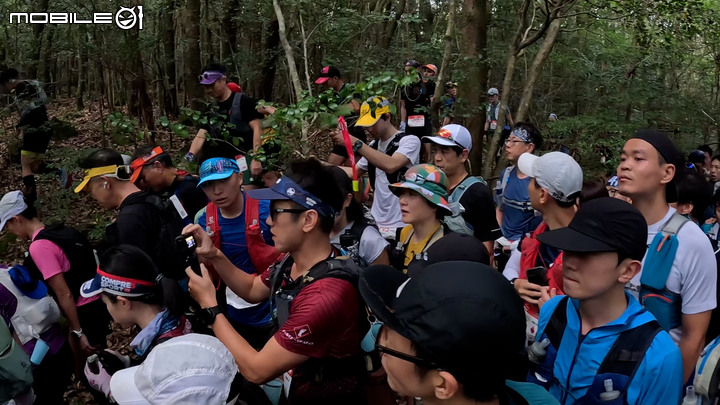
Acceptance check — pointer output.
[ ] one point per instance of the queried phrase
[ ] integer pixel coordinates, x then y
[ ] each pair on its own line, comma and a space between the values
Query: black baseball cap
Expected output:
326, 73
666, 148
602, 225
454, 246
463, 315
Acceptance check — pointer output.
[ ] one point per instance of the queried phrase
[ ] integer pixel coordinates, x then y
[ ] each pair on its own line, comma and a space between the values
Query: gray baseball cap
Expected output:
11, 204
557, 172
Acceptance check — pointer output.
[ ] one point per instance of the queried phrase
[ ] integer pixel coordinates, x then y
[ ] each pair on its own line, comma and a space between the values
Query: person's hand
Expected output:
99, 381
547, 294
266, 109
85, 347
190, 157
403, 126
528, 291
337, 137
711, 221
201, 288
255, 167
205, 248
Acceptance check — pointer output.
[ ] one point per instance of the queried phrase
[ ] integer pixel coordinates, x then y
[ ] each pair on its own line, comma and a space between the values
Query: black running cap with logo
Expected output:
460, 314
666, 148
602, 225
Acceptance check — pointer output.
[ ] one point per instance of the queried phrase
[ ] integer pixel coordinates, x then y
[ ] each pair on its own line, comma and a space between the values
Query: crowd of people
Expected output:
247, 285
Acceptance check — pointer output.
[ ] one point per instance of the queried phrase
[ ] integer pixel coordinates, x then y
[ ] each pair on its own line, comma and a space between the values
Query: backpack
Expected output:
664, 304
15, 369
32, 316
356, 232
707, 371
76, 247
619, 365
397, 255
456, 222
394, 145
170, 260
262, 255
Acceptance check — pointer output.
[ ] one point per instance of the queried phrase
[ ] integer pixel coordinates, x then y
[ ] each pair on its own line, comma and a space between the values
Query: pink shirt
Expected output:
51, 261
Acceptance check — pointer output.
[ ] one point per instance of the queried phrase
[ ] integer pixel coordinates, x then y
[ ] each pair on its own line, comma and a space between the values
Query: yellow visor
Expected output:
94, 172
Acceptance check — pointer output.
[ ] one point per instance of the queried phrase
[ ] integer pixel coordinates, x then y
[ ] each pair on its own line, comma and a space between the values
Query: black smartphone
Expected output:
537, 275
187, 244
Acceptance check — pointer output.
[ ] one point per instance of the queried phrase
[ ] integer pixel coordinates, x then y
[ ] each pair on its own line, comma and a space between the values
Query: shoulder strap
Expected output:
236, 112
673, 225
661, 253
358, 228
462, 187
212, 221
506, 177
556, 325
252, 212
629, 350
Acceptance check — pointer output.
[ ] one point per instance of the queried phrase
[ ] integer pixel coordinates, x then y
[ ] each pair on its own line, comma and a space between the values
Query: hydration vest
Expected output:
500, 200
456, 222
530, 251
32, 316
397, 254
619, 365
393, 146
654, 294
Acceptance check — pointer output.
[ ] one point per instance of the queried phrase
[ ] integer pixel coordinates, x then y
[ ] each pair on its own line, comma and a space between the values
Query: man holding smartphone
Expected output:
556, 181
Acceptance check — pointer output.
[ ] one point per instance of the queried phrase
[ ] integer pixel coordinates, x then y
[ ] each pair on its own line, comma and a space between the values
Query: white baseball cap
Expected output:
12, 204
493, 91
451, 135
557, 172
189, 369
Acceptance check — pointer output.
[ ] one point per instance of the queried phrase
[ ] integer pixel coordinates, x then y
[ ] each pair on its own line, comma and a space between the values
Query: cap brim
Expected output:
443, 202
208, 81
321, 80
266, 194
91, 287
215, 176
2, 224
378, 286
39, 292
367, 120
82, 184
124, 390
526, 162
439, 140
574, 241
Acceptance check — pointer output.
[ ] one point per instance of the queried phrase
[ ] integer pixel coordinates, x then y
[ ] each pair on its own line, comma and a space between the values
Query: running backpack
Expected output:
394, 145
619, 365
456, 222
707, 371
654, 294
15, 370
76, 247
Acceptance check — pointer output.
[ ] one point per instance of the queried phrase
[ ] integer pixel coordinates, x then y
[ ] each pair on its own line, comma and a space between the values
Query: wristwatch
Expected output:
357, 145
77, 333
208, 315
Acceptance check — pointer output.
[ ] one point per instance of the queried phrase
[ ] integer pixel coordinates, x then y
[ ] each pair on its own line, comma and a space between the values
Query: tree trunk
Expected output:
294, 77
392, 25
472, 89
170, 96
447, 54
193, 91
82, 68
536, 69
37, 41
269, 69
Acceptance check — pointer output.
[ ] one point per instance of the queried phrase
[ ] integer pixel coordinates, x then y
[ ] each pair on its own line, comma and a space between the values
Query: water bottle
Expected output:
610, 393
538, 350
690, 397
93, 363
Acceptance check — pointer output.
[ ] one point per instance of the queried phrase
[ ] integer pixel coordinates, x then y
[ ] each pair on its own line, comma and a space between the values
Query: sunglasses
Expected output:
275, 211
404, 356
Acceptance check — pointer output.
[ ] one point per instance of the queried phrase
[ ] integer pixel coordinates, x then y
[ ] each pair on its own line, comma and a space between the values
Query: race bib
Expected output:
241, 162
416, 121
178, 206
493, 125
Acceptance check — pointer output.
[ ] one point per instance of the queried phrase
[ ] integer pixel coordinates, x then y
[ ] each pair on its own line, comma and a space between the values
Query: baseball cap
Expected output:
326, 73
115, 285
30, 286
11, 204
286, 189
431, 67
666, 148
696, 156
493, 91
413, 63
137, 165
371, 111
217, 169
428, 181
431, 310
188, 369
602, 225
557, 172
210, 76
107, 171
455, 246
452, 135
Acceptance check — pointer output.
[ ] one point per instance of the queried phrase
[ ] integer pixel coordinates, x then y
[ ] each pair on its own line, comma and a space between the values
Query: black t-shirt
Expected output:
137, 224
480, 212
417, 98
220, 147
191, 196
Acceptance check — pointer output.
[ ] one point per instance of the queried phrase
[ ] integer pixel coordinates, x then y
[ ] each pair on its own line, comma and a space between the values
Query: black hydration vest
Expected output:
394, 145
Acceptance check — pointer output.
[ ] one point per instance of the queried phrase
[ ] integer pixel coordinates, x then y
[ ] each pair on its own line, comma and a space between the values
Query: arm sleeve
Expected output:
410, 147
372, 244
512, 268
318, 315
49, 258
480, 212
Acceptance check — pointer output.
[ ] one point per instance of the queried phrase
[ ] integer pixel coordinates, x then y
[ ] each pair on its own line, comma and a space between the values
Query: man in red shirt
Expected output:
317, 346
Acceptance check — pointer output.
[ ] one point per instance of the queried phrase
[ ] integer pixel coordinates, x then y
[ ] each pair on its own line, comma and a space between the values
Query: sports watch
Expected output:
78, 334
208, 315
357, 145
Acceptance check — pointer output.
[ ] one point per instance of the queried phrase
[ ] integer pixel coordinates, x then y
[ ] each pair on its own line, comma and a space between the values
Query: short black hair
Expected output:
354, 211
218, 67
30, 212
104, 157
592, 189
535, 135
316, 179
706, 148
716, 157
145, 150
692, 188
8, 75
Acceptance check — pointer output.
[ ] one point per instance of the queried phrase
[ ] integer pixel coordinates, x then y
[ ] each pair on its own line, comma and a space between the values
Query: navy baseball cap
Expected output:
217, 169
286, 189
28, 285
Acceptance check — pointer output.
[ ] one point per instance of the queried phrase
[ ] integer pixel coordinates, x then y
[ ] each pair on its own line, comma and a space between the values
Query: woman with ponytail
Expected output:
135, 293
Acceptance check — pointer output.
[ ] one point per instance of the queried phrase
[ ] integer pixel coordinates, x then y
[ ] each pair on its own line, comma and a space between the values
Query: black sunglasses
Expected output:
404, 356
275, 211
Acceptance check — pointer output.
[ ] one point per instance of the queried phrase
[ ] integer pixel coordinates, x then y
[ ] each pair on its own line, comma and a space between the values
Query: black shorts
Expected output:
36, 140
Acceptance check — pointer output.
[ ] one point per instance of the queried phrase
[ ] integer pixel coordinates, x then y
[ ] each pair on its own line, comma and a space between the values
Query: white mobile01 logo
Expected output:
125, 18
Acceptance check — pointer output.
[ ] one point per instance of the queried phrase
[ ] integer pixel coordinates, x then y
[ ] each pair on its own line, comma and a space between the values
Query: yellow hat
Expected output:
94, 172
372, 110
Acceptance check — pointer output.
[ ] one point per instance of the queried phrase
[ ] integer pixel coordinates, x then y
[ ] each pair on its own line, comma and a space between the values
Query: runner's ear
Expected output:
445, 384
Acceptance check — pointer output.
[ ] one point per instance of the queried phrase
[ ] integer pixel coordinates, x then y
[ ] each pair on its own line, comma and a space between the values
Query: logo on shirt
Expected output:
299, 334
